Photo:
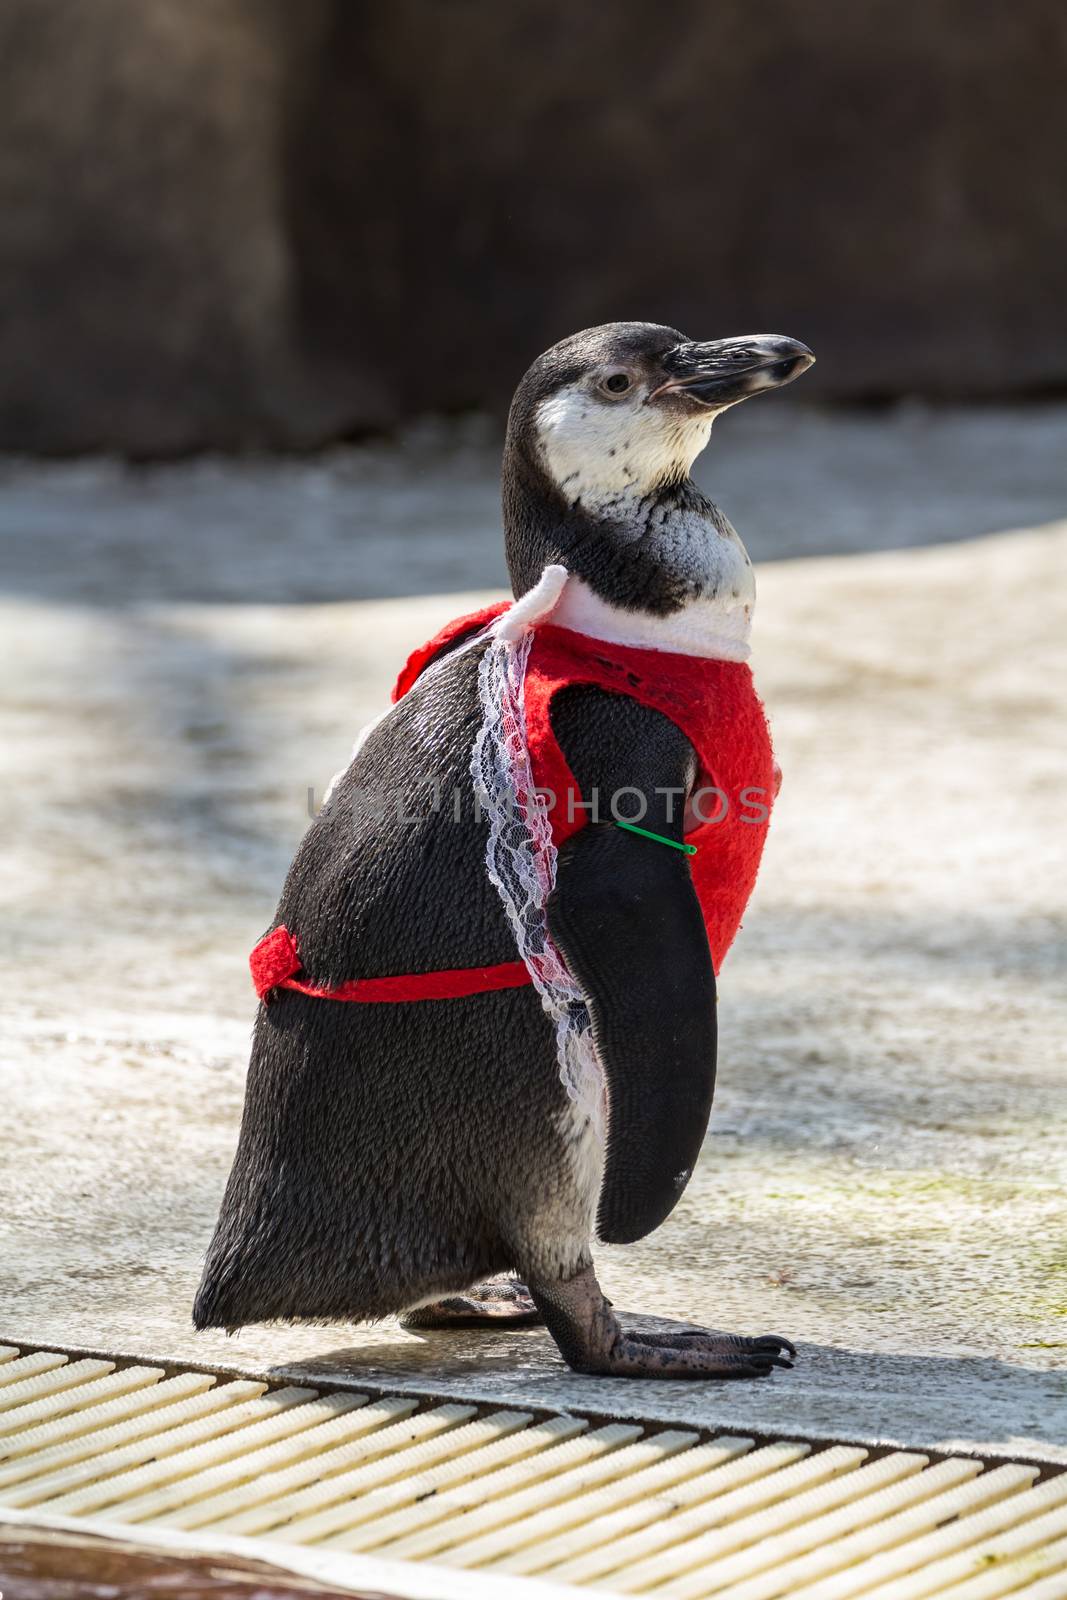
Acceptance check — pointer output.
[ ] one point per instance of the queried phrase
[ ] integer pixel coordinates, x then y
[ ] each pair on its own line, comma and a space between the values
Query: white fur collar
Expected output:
702, 628
706, 628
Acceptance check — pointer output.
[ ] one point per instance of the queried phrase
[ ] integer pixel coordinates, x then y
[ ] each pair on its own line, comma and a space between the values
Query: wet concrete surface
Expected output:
193, 648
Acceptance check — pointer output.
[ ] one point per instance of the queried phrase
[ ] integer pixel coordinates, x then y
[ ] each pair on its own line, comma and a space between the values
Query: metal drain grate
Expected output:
622, 1507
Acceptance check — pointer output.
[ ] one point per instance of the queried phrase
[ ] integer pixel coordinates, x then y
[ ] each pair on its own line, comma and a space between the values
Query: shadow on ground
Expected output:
905, 1391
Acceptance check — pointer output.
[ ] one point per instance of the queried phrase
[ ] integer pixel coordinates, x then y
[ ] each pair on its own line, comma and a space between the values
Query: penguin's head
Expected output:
621, 410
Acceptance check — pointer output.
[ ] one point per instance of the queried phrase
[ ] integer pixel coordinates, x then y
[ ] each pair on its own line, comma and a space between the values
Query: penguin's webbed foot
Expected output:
591, 1340
704, 1355
497, 1303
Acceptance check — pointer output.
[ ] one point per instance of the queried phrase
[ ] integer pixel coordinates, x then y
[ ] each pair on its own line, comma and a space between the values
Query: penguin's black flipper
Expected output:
625, 914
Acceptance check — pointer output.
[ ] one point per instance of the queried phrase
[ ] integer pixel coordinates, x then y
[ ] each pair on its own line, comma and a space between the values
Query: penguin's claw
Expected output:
772, 1343
699, 1355
498, 1303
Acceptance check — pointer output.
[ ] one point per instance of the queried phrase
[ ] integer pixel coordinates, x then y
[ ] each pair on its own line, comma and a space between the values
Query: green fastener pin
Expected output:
631, 827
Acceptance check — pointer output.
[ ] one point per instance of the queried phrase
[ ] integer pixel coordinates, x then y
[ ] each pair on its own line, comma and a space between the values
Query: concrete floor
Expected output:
191, 649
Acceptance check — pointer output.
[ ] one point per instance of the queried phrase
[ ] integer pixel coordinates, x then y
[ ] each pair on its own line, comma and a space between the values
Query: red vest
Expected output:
715, 705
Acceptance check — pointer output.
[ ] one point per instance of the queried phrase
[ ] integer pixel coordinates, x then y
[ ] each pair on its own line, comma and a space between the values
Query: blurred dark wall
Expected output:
234, 222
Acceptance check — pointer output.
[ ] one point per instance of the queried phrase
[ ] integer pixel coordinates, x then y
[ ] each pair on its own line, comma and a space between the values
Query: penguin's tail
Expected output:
275, 1255
261, 1268
222, 1299
208, 1314
236, 1290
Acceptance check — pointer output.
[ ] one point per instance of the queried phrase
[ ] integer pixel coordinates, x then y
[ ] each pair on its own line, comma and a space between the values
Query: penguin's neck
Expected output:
661, 569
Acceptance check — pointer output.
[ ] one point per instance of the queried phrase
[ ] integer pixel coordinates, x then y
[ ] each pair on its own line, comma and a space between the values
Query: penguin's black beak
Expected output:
723, 371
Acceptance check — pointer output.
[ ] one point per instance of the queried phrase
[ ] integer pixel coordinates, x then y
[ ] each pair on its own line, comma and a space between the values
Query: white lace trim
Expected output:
521, 858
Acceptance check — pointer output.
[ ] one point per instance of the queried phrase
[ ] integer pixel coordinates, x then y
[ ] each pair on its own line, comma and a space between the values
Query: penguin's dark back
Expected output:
390, 878
390, 1151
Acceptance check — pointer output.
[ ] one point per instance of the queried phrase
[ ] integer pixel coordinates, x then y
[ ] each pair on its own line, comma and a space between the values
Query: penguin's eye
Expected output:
616, 383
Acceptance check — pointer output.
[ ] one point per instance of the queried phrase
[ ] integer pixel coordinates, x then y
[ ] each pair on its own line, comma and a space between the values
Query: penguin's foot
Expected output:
497, 1303
591, 1340
707, 1355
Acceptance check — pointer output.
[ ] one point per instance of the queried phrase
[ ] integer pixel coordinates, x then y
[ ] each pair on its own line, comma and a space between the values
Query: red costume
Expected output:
715, 705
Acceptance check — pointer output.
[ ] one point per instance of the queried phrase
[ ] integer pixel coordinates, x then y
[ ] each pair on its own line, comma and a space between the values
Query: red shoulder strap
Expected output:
715, 705
421, 658
684, 688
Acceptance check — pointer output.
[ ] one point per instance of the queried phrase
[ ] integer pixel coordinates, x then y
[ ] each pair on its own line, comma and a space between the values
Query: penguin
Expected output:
450, 1149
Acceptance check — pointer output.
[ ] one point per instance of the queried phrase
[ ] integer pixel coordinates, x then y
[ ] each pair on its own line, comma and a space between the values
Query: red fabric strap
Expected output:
275, 964
471, 622
715, 705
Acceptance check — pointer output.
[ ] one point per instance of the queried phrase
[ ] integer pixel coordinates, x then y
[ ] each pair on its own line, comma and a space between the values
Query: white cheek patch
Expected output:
595, 450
